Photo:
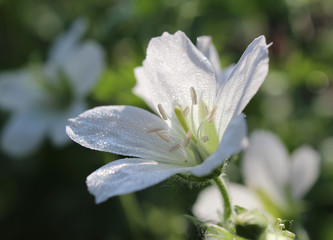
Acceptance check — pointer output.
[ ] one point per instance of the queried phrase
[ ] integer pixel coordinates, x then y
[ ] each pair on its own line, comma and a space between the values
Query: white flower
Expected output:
42, 98
268, 170
209, 204
195, 103
275, 182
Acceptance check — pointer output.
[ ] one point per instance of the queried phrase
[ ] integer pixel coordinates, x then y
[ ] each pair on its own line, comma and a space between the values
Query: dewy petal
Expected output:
265, 165
123, 130
209, 204
18, 90
305, 169
205, 45
234, 140
84, 66
225, 75
173, 65
58, 121
128, 175
243, 82
143, 87
23, 133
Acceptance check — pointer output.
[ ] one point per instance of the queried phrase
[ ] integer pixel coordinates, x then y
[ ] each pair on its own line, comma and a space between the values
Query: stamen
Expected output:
174, 148
194, 96
186, 111
163, 137
154, 130
188, 138
205, 138
207, 110
162, 112
212, 113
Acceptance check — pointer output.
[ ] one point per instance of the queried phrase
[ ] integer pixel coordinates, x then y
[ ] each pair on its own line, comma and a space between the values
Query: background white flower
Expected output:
42, 98
209, 204
283, 180
275, 182
200, 123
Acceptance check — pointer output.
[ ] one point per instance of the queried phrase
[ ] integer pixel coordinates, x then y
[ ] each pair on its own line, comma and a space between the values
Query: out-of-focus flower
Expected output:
200, 123
275, 182
279, 180
42, 98
209, 204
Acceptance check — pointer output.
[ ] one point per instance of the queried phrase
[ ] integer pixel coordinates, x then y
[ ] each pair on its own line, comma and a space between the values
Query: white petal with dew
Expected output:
234, 140
143, 87
84, 66
123, 130
305, 170
23, 133
58, 121
205, 45
242, 83
173, 65
266, 164
128, 175
224, 76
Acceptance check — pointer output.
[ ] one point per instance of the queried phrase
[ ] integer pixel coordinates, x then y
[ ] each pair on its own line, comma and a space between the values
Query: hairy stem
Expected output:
227, 203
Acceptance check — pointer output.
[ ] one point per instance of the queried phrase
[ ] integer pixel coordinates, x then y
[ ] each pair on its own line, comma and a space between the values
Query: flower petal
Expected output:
234, 140
243, 82
58, 121
173, 65
304, 170
18, 90
23, 133
66, 42
143, 88
123, 130
225, 75
84, 67
265, 165
128, 175
209, 204
205, 45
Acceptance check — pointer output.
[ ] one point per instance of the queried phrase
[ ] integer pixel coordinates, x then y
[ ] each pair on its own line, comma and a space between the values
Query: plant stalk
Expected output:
227, 203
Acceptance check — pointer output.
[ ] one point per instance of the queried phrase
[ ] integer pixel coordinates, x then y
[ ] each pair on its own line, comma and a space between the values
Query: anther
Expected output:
163, 137
186, 111
207, 110
205, 138
174, 148
162, 112
154, 130
188, 138
212, 113
194, 96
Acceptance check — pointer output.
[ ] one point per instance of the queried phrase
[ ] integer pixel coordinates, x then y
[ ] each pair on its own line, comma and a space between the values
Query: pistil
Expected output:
182, 121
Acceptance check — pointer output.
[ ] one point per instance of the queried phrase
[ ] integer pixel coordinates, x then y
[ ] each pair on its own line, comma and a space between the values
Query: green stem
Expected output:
134, 215
227, 203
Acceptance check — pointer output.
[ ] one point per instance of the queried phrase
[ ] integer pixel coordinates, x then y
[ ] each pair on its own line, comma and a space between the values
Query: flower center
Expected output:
193, 130
59, 91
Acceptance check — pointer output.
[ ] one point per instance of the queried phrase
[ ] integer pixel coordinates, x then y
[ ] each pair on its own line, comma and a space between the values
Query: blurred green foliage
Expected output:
44, 196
